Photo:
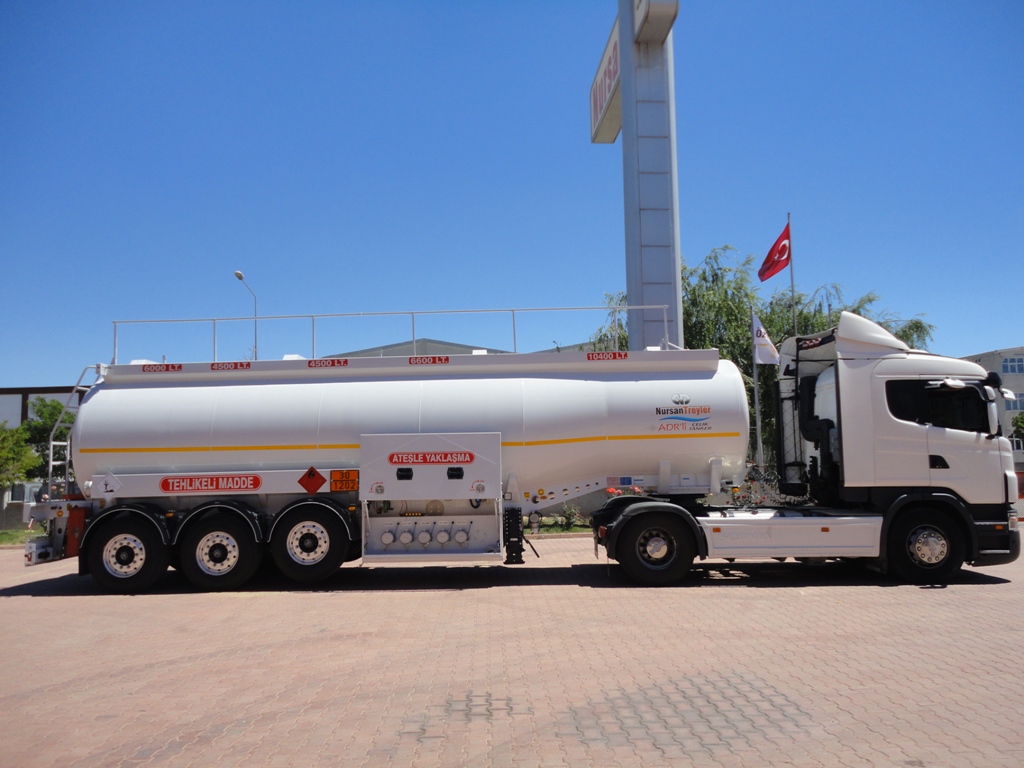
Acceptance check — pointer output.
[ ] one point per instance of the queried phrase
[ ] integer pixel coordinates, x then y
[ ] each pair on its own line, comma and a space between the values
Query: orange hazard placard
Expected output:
344, 480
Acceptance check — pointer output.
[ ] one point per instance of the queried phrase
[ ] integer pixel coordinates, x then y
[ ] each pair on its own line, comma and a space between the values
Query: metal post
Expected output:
412, 316
114, 361
312, 319
255, 318
215, 340
757, 394
515, 344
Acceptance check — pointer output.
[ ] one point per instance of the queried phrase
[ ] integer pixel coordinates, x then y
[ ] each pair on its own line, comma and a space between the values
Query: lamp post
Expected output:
255, 316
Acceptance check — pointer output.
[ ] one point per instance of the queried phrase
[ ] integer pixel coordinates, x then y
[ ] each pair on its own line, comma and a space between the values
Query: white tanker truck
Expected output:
429, 459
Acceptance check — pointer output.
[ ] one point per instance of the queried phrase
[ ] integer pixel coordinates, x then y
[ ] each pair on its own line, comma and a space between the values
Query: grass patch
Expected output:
570, 521
18, 535
560, 529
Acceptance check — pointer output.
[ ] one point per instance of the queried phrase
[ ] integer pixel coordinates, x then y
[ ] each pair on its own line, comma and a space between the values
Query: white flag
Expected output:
765, 352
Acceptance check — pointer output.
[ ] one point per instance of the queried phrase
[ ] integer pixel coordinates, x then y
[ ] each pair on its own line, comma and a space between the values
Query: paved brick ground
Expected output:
558, 663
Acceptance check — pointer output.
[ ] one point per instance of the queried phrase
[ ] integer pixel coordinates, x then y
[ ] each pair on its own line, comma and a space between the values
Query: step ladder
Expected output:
60, 474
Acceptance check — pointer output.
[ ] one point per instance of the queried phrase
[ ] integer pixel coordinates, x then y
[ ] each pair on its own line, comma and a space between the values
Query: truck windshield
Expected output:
915, 401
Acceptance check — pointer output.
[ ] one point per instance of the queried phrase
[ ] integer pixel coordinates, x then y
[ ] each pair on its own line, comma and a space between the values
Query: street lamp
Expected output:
255, 316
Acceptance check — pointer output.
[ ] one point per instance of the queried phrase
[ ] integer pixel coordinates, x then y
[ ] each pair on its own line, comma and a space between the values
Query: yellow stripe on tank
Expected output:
187, 449
355, 446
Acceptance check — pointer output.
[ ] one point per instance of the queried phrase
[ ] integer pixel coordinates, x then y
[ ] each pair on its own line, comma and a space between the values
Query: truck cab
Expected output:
866, 423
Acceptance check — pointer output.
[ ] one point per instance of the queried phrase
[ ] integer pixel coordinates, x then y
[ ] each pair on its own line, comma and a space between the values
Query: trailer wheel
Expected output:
127, 555
925, 547
309, 543
656, 549
219, 552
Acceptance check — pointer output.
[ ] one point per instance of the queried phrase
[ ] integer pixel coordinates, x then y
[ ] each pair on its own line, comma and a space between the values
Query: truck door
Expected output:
901, 437
962, 455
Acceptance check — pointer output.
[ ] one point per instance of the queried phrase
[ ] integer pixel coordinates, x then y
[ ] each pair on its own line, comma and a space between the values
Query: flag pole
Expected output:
757, 393
792, 281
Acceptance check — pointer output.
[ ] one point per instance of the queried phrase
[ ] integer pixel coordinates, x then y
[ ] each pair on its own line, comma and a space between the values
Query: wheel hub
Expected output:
308, 543
656, 548
124, 555
928, 546
217, 553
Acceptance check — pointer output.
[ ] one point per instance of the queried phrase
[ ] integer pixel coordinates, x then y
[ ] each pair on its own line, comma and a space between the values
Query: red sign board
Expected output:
210, 483
243, 366
428, 457
429, 360
161, 368
605, 94
607, 355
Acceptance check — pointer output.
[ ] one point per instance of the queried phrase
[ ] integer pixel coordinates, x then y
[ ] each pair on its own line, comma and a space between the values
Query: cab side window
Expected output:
915, 401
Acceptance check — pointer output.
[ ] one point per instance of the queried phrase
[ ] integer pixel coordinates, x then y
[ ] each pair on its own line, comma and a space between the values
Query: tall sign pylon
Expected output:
633, 93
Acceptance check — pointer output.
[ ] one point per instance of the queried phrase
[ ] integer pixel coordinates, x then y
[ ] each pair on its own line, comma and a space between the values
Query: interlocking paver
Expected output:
557, 663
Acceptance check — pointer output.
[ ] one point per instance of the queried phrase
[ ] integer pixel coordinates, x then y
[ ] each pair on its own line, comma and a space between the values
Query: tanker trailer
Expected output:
415, 459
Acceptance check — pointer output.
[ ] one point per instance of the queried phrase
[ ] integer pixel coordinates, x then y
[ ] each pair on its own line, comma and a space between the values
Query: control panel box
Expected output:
411, 467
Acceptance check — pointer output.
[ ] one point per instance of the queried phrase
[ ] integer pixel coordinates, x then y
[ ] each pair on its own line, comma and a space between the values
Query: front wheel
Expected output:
925, 547
219, 552
309, 543
656, 549
126, 554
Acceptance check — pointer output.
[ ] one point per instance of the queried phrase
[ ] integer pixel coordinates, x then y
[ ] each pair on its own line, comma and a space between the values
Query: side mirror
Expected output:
994, 428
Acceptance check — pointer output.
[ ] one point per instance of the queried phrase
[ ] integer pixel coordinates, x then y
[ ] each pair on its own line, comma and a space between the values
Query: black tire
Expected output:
925, 546
309, 543
656, 549
127, 554
219, 551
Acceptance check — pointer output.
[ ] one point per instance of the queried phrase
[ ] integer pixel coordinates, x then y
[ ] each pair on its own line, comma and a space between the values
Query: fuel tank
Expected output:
677, 418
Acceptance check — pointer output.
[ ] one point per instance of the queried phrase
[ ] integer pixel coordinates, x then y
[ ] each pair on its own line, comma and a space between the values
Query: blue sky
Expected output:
371, 157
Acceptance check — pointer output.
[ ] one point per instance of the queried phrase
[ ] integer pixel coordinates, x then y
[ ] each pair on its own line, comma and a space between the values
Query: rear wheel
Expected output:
656, 549
127, 554
309, 543
925, 547
219, 551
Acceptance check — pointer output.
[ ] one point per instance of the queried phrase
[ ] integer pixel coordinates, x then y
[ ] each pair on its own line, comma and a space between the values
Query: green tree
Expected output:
17, 458
717, 300
612, 336
1018, 426
45, 413
719, 294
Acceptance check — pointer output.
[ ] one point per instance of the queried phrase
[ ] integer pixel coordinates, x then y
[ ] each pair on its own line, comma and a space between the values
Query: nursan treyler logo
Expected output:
692, 414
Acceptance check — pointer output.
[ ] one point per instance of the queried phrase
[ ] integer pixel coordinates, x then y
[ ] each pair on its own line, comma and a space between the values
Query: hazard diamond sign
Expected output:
312, 480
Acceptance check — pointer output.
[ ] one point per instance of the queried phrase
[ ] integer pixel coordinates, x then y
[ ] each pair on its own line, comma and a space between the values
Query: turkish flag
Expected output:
777, 258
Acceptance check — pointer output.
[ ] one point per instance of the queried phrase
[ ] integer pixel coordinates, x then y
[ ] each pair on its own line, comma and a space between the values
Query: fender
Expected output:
645, 505
325, 503
612, 508
236, 507
949, 502
145, 511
